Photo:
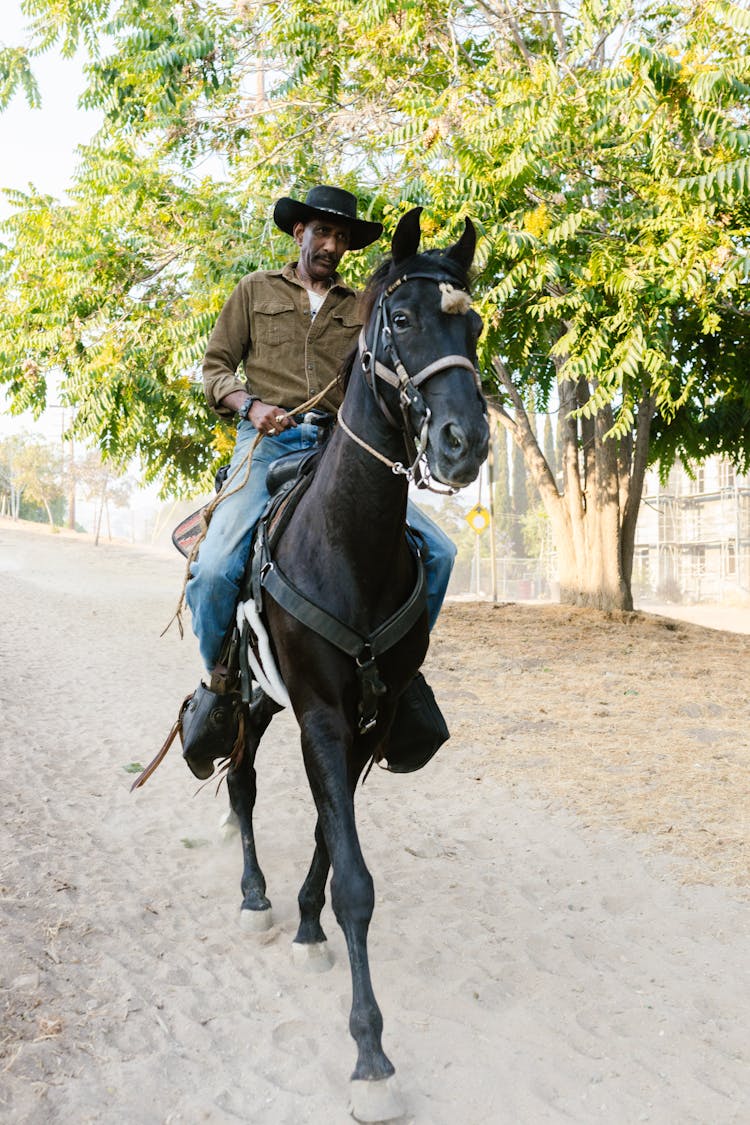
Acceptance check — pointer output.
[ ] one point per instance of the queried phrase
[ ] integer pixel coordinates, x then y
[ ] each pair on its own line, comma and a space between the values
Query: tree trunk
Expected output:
71, 522
593, 514
593, 576
100, 513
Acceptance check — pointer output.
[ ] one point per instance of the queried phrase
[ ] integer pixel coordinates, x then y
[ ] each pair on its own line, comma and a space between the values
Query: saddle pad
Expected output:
186, 532
259, 654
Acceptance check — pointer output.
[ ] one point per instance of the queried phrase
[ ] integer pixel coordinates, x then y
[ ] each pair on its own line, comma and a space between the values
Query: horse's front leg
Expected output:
255, 913
327, 749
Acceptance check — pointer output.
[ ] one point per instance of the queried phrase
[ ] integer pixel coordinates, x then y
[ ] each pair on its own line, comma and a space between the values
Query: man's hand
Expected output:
270, 419
267, 419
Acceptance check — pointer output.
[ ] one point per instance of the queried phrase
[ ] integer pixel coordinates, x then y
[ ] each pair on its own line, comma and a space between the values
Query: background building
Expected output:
693, 537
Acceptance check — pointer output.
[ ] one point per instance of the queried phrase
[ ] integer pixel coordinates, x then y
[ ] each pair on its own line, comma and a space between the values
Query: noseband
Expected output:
410, 396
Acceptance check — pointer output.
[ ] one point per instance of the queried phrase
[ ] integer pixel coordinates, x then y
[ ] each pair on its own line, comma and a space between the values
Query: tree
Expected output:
41, 476
548, 446
104, 483
31, 471
618, 237
520, 499
603, 151
11, 479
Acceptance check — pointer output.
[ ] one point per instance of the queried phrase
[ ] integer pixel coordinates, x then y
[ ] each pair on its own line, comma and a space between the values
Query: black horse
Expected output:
412, 394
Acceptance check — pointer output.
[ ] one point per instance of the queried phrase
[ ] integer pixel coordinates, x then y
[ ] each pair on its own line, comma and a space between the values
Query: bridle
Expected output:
411, 400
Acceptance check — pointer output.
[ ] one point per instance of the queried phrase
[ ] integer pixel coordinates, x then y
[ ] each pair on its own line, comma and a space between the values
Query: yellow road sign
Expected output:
478, 519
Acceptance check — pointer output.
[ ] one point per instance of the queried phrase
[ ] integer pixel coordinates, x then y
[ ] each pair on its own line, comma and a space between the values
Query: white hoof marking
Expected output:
312, 957
256, 921
378, 1100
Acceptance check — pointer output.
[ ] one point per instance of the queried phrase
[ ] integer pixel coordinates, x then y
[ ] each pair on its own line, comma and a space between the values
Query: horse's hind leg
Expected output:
255, 913
310, 944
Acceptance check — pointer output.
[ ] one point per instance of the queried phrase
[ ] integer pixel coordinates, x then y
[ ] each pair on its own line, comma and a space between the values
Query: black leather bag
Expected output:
418, 731
210, 726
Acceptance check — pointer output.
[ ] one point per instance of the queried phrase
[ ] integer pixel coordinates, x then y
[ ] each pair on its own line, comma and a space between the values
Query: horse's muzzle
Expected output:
459, 452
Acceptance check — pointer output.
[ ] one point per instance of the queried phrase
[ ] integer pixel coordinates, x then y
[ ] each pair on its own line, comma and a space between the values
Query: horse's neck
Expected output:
362, 501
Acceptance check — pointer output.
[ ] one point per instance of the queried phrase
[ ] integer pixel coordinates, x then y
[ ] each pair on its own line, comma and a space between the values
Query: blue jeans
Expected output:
213, 590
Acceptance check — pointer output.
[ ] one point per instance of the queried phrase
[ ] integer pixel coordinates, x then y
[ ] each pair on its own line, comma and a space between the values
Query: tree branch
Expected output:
523, 435
504, 17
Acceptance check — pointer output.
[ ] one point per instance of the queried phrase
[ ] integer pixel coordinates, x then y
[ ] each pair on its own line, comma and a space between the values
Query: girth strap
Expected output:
364, 648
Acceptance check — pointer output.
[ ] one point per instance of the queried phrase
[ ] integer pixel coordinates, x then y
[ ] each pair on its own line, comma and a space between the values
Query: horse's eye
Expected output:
400, 320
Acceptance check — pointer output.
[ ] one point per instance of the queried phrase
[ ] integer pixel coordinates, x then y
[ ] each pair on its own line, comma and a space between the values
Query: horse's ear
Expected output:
463, 250
406, 236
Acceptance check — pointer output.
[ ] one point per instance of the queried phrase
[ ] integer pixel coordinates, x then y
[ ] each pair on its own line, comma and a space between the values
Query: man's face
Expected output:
322, 244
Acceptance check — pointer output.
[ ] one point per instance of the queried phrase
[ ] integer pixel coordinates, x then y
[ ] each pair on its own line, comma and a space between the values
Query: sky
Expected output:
39, 145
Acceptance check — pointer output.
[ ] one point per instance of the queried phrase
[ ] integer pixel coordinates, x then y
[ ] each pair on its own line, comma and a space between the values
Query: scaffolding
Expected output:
693, 537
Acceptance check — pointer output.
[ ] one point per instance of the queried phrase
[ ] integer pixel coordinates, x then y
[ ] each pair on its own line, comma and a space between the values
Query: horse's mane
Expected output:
430, 261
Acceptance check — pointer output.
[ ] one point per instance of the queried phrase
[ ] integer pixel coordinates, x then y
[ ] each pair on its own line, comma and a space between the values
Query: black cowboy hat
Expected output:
330, 202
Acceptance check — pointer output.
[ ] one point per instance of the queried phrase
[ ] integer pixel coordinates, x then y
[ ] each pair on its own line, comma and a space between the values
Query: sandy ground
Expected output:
561, 929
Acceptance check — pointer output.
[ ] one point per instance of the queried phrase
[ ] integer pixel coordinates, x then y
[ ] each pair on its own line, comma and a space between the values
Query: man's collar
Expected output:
289, 272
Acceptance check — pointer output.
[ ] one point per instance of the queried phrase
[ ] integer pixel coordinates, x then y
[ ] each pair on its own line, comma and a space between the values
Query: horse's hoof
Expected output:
312, 957
255, 921
229, 826
376, 1100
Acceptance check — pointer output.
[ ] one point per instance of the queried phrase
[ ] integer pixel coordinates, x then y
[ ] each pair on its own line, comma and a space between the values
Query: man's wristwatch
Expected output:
244, 410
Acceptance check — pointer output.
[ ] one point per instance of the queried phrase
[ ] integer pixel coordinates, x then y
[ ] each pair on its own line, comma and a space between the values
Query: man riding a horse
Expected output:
291, 330
347, 574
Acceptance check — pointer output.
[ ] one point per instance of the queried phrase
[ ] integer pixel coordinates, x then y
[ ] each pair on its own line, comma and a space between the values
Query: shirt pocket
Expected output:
275, 323
346, 325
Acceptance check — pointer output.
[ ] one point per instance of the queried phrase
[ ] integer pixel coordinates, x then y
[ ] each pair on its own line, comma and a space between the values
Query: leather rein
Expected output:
397, 376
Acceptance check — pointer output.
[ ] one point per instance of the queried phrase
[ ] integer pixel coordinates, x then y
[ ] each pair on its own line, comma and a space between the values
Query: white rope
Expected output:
395, 466
265, 669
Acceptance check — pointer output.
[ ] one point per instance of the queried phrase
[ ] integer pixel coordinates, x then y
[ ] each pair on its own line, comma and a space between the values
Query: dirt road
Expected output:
561, 928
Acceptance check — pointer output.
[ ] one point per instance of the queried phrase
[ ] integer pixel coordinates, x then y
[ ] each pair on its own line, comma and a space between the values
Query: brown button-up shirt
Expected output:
287, 355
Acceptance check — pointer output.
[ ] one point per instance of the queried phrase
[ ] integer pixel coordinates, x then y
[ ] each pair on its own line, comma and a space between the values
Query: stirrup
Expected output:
210, 729
418, 730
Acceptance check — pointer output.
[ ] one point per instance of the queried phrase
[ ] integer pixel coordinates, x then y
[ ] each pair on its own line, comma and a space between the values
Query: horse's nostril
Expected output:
454, 437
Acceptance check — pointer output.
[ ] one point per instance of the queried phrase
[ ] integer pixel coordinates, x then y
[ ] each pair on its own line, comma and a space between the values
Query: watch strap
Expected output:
244, 410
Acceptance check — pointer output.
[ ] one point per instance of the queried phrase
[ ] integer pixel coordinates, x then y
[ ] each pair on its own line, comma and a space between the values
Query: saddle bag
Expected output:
418, 731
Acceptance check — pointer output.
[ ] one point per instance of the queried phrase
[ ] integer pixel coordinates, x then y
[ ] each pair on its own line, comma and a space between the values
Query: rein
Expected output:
397, 376
396, 467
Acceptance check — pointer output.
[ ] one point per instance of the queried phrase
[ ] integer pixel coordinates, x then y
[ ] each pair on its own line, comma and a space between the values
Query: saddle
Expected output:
280, 472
